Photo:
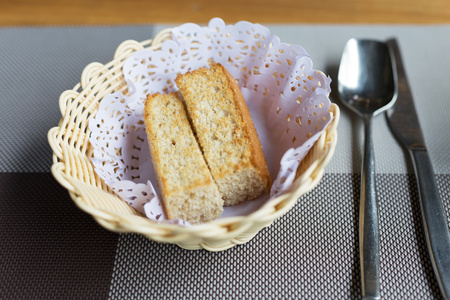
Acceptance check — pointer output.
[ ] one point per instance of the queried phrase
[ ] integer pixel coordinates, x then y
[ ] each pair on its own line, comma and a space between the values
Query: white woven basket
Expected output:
72, 167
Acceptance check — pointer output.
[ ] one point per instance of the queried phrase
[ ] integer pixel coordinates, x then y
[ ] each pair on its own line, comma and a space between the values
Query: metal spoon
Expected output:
366, 83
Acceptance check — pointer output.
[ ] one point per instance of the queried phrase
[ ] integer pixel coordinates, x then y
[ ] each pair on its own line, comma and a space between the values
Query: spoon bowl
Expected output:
367, 85
366, 78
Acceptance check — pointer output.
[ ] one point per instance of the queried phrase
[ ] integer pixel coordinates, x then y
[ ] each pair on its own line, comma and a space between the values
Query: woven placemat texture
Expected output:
310, 253
37, 65
52, 250
49, 248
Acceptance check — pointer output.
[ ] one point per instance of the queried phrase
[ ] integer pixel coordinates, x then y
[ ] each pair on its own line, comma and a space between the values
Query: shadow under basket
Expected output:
72, 167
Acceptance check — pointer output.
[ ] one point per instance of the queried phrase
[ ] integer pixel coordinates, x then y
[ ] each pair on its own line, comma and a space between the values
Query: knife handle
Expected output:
434, 219
368, 221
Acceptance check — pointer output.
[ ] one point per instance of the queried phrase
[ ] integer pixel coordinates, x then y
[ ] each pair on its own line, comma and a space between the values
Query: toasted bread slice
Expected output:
226, 133
187, 188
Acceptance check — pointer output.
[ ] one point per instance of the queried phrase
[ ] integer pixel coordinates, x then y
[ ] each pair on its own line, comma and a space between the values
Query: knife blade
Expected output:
404, 123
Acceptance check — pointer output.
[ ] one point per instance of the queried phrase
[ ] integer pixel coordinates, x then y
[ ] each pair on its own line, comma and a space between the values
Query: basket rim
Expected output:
267, 213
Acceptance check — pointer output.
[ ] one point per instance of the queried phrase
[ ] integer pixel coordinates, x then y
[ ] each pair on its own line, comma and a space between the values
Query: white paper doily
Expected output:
287, 98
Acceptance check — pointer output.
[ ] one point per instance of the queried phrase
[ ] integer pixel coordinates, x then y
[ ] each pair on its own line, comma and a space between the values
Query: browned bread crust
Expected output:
226, 134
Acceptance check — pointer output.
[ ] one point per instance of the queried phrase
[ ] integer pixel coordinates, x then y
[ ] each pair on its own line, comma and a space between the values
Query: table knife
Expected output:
404, 123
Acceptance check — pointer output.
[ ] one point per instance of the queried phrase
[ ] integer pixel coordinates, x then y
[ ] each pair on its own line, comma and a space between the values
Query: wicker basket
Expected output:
73, 170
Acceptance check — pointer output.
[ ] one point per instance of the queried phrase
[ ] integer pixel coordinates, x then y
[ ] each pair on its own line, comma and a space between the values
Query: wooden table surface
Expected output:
104, 12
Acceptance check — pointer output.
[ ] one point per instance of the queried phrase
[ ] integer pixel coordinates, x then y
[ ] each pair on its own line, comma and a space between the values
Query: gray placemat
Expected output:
39, 64
309, 253
36, 66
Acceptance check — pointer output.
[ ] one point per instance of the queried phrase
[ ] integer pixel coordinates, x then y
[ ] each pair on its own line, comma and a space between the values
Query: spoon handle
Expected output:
368, 221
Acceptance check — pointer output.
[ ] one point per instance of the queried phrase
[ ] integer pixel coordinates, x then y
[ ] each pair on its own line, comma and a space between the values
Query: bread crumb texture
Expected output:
187, 188
226, 133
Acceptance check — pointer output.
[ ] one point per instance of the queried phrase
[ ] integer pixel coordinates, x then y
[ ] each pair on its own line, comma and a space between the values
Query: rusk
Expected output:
226, 133
187, 189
